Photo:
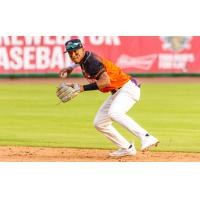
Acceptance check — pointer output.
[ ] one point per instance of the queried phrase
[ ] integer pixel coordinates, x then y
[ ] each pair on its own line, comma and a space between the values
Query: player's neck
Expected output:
86, 54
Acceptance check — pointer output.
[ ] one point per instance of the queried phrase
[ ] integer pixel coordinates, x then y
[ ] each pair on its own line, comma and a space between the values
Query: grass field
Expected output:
29, 116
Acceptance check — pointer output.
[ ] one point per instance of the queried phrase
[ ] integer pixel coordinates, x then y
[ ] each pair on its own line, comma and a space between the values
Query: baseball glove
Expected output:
65, 92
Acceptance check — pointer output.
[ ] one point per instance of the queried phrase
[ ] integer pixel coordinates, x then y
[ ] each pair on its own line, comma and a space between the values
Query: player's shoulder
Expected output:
92, 58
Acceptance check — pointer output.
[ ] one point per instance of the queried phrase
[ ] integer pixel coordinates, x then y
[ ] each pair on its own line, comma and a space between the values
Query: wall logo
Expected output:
176, 60
176, 43
141, 62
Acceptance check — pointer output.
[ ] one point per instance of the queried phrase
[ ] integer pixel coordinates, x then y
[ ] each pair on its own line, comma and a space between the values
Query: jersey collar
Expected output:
87, 55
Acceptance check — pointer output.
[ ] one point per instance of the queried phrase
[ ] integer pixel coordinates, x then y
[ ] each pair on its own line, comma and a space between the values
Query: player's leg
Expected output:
124, 100
103, 123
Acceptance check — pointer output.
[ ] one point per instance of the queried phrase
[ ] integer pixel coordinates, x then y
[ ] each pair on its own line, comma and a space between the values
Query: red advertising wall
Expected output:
134, 54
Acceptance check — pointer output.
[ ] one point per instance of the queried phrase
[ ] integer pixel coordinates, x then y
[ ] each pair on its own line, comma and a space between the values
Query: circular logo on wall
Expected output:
176, 43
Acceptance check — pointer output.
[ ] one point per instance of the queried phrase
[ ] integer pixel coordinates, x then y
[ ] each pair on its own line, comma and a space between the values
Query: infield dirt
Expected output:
40, 154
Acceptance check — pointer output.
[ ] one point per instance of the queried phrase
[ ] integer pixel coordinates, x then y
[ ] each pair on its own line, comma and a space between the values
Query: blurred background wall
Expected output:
38, 56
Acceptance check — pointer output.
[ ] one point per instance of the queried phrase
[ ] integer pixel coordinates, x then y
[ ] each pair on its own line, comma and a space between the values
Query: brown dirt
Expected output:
40, 154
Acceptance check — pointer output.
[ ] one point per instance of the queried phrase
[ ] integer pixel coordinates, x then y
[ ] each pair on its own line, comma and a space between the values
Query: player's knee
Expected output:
114, 115
99, 125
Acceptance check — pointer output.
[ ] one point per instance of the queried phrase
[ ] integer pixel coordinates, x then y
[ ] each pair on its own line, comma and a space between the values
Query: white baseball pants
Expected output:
115, 109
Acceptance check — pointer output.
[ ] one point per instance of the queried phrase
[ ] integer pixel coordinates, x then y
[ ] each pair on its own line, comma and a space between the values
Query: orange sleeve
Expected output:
117, 77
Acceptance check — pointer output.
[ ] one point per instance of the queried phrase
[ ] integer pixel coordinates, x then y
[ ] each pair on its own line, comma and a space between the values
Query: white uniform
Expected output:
115, 109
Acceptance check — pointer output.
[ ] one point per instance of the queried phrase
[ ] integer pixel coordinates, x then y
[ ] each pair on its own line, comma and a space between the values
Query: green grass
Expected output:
29, 116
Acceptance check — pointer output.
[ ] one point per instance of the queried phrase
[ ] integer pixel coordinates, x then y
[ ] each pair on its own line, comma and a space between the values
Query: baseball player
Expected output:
124, 90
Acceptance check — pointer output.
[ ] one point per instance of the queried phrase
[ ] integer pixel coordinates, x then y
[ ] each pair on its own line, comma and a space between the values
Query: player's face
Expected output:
77, 55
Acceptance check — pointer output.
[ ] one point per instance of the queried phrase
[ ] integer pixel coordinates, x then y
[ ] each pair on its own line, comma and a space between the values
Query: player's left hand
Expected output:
67, 91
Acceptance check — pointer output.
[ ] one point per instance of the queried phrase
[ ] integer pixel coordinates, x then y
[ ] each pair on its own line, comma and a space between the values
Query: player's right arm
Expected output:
64, 73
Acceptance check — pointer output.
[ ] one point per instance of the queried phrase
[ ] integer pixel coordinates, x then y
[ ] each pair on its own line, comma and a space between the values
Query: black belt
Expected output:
115, 90
132, 80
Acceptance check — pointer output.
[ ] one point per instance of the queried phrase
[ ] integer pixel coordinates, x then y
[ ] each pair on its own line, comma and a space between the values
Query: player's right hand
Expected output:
63, 73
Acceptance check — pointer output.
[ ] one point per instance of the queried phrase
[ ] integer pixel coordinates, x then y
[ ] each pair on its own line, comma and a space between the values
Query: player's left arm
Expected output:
67, 91
102, 82
97, 72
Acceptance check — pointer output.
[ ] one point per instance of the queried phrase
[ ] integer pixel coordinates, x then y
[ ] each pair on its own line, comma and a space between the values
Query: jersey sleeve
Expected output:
96, 68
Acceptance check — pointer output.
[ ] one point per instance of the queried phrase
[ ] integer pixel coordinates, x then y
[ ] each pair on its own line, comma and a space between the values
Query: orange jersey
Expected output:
117, 77
93, 66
